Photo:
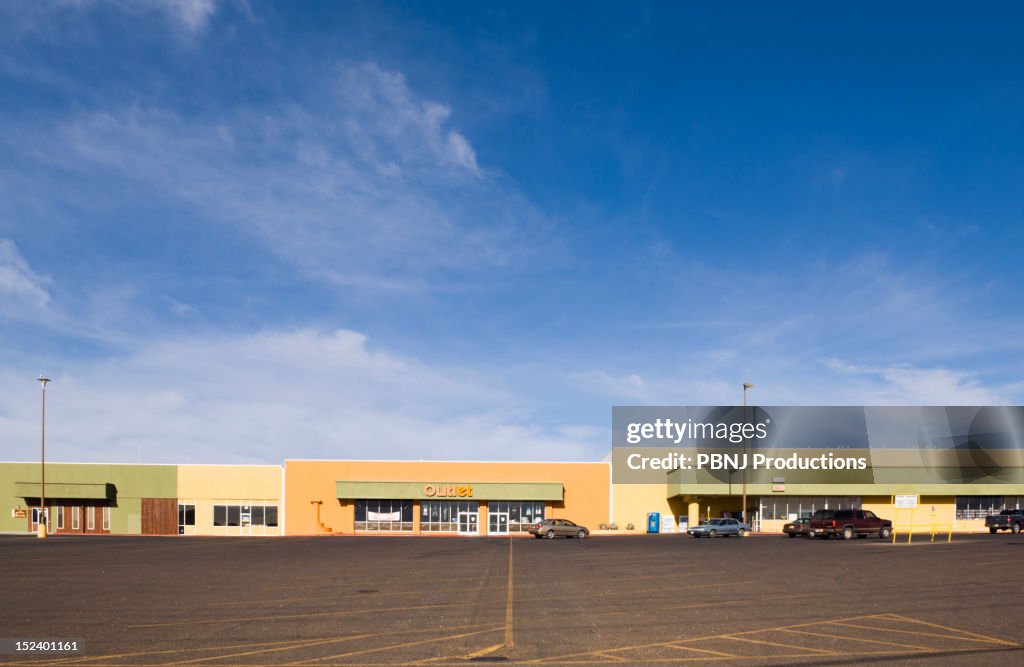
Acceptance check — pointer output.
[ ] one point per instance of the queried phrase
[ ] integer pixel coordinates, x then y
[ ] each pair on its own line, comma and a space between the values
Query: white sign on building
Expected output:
668, 523
905, 502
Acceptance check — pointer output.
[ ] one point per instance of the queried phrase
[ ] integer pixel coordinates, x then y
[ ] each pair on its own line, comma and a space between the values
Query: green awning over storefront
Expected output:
459, 490
71, 491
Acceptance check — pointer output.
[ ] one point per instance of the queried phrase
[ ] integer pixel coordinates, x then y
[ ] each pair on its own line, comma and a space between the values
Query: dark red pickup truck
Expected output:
826, 523
1011, 520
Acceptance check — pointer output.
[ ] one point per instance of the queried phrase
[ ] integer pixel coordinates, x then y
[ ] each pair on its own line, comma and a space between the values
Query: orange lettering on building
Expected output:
448, 491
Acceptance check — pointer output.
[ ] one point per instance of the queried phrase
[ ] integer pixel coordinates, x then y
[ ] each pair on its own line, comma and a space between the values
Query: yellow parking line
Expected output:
800, 625
225, 656
433, 640
923, 634
285, 645
616, 658
943, 627
764, 641
710, 658
677, 643
307, 644
703, 650
482, 652
627, 661
509, 598
83, 660
857, 639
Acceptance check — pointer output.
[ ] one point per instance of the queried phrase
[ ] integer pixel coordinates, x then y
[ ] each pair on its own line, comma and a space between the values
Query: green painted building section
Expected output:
123, 486
549, 491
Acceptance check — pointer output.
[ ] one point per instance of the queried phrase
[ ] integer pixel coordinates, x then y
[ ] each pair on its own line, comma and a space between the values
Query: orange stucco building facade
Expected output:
428, 497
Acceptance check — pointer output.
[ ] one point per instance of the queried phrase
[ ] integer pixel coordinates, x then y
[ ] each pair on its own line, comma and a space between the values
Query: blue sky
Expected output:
249, 231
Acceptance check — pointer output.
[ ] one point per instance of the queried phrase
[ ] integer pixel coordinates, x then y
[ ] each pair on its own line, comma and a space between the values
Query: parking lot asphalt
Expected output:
615, 600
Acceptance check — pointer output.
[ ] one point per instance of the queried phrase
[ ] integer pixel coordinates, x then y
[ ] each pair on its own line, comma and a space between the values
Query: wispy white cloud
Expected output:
903, 384
178, 308
23, 292
188, 15
388, 125
69, 19
801, 381
262, 397
364, 185
657, 389
192, 15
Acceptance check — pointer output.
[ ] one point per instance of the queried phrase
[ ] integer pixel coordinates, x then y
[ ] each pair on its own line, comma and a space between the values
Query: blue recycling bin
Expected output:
653, 522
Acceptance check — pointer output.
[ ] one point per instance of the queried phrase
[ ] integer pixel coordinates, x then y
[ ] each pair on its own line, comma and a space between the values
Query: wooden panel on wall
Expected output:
159, 516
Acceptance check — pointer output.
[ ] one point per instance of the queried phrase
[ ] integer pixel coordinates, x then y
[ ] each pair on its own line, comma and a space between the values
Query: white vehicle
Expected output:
719, 527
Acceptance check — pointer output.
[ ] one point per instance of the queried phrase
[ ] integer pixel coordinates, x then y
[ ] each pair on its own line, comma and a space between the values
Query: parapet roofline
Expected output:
567, 463
125, 463
280, 465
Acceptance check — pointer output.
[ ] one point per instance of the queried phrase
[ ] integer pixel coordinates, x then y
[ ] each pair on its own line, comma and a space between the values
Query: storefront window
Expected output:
979, 507
785, 508
233, 515
383, 515
448, 516
186, 515
513, 516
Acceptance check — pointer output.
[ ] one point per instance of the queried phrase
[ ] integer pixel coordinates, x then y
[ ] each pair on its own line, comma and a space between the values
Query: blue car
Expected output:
719, 527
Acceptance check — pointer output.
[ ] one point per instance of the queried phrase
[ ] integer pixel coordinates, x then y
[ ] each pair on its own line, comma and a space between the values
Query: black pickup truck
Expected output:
1011, 520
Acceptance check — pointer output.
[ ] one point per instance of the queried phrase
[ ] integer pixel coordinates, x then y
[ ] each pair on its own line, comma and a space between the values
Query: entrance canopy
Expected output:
66, 490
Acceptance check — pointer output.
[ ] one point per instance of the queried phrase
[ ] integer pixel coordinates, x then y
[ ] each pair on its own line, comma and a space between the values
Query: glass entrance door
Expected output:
497, 523
36, 519
467, 523
245, 525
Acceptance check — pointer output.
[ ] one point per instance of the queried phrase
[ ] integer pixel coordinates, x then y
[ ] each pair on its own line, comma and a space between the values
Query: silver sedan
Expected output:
552, 528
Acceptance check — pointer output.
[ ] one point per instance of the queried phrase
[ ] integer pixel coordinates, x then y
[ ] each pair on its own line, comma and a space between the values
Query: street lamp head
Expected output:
43, 380
747, 385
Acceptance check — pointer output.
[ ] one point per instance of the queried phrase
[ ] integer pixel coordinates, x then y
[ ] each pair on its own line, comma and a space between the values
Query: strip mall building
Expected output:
304, 497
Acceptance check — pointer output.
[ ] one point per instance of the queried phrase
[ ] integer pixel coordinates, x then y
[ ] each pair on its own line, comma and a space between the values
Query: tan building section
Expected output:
933, 514
632, 503
230, 500
473, 497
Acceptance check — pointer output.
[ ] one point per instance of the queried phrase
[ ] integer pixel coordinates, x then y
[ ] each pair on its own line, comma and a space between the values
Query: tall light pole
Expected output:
42, 465
746, 441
